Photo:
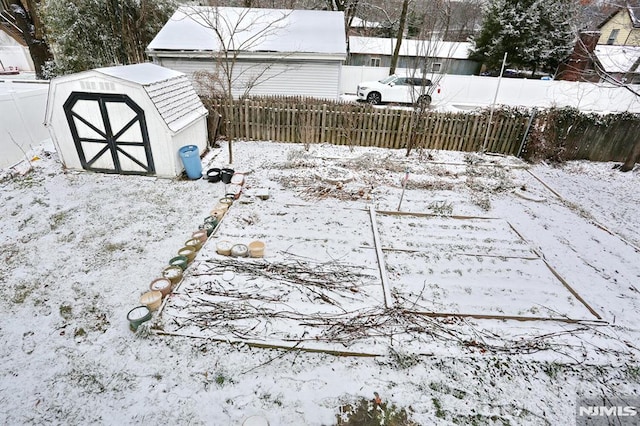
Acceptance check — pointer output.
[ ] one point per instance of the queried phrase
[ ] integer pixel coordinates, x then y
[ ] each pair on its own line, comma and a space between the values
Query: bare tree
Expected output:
400, 34
236, 31
433, 60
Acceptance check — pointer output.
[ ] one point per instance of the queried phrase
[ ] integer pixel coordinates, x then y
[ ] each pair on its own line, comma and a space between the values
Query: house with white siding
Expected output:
426, 56
256, 51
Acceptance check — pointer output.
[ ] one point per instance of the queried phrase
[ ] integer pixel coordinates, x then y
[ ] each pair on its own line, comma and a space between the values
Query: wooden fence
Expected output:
559, 134
565, 134
301, 121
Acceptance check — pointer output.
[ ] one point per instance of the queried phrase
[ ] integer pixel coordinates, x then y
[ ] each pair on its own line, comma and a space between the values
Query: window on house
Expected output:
374, 62
612, 36
436, 67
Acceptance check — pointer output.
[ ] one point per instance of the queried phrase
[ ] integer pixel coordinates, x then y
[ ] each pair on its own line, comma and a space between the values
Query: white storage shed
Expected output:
262, 51
128, 119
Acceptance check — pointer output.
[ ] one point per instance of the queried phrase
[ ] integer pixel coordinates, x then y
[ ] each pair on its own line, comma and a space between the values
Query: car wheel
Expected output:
374, 98
424, 100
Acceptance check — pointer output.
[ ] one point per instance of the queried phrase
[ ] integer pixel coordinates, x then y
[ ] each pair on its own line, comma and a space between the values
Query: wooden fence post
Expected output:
246, 119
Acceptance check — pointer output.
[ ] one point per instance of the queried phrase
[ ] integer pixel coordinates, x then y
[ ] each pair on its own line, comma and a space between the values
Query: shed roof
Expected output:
205, 28
413, 48
618, 59
170, 91
144, 74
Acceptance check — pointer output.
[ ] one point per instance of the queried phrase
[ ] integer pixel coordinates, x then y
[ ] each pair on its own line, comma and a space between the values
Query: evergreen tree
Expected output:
536, 34
86, 34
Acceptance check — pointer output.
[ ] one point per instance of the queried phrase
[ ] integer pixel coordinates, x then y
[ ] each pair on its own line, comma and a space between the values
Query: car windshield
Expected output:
388, 80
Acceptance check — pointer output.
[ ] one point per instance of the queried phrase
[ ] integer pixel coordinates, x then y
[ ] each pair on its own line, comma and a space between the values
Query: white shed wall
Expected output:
191, 135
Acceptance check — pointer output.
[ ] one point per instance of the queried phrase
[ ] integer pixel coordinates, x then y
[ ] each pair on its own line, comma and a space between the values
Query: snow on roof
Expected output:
170, 91
193, 28
361, 23
423, 48
618, 59
144, 74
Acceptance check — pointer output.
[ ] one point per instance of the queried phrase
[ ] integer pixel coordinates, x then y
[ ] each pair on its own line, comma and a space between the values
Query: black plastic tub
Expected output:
226, 175
214, 175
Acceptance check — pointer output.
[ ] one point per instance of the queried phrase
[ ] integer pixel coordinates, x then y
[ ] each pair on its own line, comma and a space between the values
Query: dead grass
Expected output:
373, 412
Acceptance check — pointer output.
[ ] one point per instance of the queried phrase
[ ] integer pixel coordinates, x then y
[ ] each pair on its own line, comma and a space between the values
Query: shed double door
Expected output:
110, 133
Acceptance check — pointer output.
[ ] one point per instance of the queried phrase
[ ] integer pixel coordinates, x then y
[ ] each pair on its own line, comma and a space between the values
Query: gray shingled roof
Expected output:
176, 101
170, 91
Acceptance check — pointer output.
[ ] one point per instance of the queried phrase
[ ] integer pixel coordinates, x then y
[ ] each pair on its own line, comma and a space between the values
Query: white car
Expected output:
406, 90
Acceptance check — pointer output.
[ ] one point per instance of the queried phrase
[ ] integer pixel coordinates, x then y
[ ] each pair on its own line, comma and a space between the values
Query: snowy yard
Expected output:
500, 293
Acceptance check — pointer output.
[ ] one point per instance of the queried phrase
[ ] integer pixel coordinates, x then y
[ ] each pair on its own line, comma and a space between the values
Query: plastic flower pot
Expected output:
173, 273
180, 261
256, 248
226, 200
217, 213
151, 299
226, 175
214, 175
137, 316
208, 227
163, 285
237, 179
233, 192
188, 252
221, 206
224, 247
193, 242
255, 421
201, 235
211, 219
239, 250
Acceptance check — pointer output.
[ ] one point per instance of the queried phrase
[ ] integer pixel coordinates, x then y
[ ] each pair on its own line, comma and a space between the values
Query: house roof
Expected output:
215, 29
618, 59
170, 91
408, 47
634, 16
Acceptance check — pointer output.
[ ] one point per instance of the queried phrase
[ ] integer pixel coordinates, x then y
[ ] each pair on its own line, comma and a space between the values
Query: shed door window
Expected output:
110, 133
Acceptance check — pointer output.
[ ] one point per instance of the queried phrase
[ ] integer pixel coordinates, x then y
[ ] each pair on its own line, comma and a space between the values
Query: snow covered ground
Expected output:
509, 292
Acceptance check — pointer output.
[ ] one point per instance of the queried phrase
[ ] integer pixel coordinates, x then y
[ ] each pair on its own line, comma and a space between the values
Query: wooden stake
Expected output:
404, 186
380, 256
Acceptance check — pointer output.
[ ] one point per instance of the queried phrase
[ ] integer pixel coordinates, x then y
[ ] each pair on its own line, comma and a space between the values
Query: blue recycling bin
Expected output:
191, 159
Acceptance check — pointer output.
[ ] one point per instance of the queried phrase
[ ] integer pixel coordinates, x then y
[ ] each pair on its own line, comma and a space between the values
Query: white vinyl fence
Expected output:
22, 109
465, 91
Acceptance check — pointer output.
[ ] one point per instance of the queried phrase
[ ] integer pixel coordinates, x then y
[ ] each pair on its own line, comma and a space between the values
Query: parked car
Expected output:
406, 90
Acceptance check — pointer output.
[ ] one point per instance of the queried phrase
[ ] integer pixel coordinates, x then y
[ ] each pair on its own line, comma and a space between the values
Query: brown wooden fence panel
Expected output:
299, 120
